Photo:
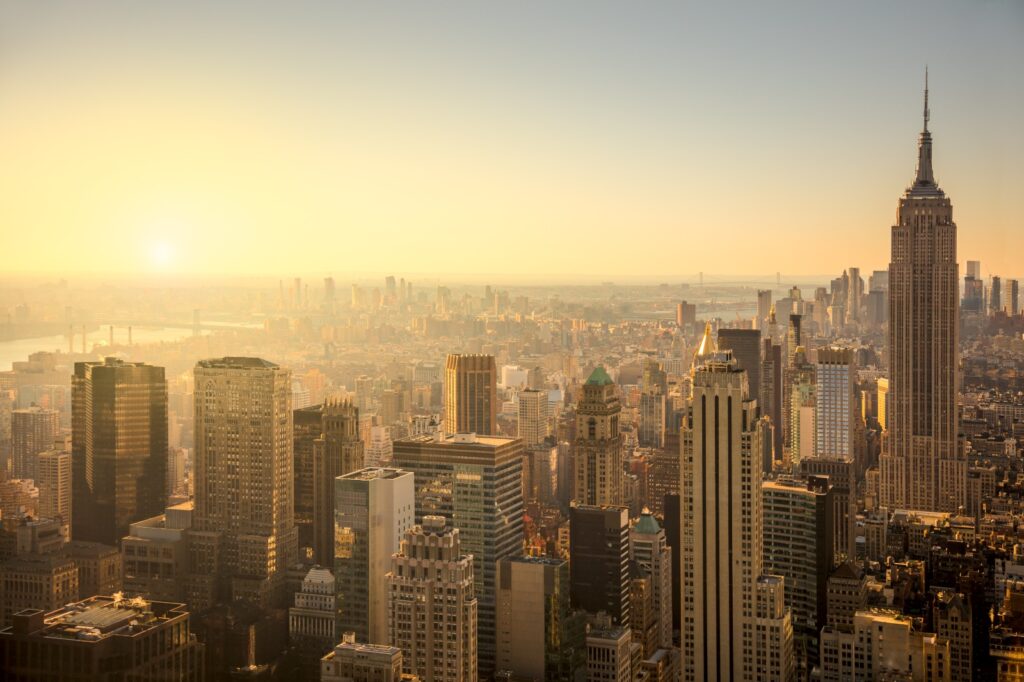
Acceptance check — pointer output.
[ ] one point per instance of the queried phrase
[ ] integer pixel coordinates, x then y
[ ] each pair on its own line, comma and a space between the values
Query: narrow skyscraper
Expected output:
723, 595
920, 465
336, 452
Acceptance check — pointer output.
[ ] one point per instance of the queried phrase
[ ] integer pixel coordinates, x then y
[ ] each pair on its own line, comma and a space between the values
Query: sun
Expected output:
161, 254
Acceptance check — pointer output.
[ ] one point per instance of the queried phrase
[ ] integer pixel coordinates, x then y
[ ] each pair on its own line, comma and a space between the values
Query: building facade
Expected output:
243, 537
921, 466
373, 509
119, 447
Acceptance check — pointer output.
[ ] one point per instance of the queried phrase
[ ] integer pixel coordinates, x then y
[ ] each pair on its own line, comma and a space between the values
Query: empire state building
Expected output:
921, 467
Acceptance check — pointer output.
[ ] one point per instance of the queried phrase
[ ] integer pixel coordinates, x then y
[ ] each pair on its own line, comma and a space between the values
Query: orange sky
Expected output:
526, 140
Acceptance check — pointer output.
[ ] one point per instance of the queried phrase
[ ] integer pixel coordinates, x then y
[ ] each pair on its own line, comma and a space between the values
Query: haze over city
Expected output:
511, 342
225, 138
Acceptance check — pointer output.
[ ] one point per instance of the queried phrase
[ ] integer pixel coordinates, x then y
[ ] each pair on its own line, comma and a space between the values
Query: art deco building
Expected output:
373, 509
597, 450
336, 452
103, 638
243, 536
33, 430
921, 467
432, 611
470, 395
649, 551
722, 525
476, 482
119, 447
540, 637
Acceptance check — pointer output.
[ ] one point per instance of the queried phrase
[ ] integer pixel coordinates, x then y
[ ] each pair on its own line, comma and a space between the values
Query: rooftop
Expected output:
231, 362
97, 618
599, 377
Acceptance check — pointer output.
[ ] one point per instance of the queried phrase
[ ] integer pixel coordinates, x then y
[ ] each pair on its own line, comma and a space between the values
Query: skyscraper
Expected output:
835, 419
540, 637
476, 482
721, 528
33, 430
432, 610
649, 550
54, 483
921, 467
243, 536
745, 345
533, 417
336, 452
597, 450
470, 394
764, 306
373, 509
798, 535
599, 552
995, 292
119, 447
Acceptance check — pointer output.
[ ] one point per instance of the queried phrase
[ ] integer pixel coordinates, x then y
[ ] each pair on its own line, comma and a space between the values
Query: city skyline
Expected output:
555, 125
581, 449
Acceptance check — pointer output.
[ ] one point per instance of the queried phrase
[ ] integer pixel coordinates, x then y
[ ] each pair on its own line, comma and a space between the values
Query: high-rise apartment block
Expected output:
534, 417
33, 430
597, 450
835, 413
432, 610
373, 509
243, 536
798, 529
54, 482
921, 466
119, 447
470, 395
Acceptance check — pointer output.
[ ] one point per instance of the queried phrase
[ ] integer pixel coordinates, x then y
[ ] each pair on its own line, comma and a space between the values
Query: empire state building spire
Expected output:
925, 177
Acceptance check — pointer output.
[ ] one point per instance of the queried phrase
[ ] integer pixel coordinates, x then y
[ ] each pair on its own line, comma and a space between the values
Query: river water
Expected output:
12, 351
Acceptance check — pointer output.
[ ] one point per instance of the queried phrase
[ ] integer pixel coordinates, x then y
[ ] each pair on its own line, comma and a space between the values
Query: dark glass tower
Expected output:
119, 447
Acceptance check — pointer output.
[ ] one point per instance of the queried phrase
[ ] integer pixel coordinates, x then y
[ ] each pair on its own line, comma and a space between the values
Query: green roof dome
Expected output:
647, 525
599, 377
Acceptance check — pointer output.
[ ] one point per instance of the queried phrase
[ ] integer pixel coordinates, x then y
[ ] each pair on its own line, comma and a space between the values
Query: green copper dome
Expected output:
647, 525
599, 377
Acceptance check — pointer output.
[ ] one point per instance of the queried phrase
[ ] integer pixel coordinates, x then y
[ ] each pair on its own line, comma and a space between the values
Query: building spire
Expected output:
926, 112
925, 177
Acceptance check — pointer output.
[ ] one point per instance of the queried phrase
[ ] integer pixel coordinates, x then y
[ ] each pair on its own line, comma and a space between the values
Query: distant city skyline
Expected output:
337, 138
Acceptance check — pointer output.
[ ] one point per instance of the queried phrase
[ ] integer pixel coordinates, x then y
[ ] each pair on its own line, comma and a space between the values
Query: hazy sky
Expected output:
559, 138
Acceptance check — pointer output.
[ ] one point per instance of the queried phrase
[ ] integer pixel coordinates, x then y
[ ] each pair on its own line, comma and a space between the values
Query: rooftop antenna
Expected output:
926, 112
